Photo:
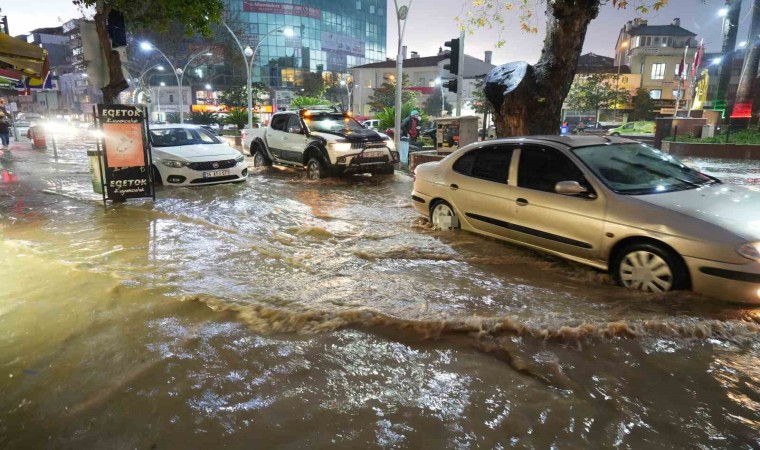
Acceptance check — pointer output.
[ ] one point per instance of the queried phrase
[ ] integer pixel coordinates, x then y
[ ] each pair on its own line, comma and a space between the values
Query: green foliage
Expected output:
238, 117
643, 106
303, 101
479, 103
203, 117
172, 117
385, 95
597, 91
234, 97
313, 85
387, 116
432, 106
745, 137
198, 15
425, 141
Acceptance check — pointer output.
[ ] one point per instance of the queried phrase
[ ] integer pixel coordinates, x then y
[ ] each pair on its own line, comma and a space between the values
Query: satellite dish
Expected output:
402, 12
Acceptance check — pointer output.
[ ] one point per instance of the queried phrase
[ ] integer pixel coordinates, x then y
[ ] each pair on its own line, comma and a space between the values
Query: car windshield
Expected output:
332, 122
174, 137
637, 169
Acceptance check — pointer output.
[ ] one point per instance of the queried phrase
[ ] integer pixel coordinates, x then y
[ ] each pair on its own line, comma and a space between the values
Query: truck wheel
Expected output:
259, 159
315, 169
387, 170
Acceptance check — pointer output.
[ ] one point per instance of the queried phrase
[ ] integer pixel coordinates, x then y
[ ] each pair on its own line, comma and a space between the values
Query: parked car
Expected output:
323, 140
372, 124
188, 155
611, 203
633, 129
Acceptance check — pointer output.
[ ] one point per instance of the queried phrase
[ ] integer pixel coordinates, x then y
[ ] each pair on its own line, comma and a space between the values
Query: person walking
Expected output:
5, 131
409, 126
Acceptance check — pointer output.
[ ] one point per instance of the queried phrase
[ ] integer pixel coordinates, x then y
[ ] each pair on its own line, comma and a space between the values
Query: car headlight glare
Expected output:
340, 146
173, 163
750, 250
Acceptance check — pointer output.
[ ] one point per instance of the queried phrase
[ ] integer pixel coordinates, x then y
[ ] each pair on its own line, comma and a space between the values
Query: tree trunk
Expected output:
116, 81
532, 104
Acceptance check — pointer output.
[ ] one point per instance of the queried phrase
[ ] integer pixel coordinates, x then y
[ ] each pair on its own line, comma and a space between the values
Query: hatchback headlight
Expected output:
173, 163
240, 158
750, 250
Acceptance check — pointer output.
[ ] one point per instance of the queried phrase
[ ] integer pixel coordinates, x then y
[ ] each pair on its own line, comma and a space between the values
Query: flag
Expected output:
697, 59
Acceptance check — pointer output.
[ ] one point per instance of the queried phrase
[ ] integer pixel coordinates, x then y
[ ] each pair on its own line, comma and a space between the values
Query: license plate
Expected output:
216, 173
373, 154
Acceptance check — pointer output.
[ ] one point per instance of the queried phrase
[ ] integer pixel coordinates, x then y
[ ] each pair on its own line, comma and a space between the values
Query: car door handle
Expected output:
521, 202
454, 187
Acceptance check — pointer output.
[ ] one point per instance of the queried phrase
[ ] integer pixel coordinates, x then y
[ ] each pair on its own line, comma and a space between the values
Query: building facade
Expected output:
328, 37
656, 52
423, 73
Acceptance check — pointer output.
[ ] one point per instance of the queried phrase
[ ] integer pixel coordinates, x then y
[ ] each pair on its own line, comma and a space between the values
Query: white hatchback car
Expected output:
188, 155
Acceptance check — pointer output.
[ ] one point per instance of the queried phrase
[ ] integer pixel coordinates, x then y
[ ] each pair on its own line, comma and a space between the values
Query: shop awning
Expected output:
27, 58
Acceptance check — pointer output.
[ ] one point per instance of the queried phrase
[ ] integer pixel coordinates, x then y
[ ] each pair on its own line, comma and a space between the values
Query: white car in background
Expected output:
188, 155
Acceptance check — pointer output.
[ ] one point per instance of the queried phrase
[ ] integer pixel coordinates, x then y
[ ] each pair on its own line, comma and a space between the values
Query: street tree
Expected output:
433, 107
527, 99
385, 95
237, 97
596, 92
643, 106
197, 15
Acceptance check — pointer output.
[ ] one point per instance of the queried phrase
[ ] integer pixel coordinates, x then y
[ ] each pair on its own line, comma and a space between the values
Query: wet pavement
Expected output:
283, 312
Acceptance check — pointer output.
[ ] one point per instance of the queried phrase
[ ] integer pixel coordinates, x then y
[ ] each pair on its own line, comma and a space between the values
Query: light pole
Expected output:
158, 99
208, 94
248, 57
439, 82
348, 95
401, 15
178, 73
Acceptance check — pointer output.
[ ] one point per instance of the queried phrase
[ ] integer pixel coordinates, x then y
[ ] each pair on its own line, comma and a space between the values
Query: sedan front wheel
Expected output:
650, 268
442, 216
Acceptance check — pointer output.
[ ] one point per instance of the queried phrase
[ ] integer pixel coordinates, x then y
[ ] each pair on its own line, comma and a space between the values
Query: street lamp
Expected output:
248, 57
348, 95
401, 14
178, 73
158, 99
439, 82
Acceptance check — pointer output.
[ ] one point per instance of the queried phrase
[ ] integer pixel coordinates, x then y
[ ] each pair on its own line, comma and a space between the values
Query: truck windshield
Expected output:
331, 122
637, 169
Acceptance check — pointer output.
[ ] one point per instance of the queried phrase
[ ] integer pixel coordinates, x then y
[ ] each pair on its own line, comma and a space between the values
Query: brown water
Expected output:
297, 314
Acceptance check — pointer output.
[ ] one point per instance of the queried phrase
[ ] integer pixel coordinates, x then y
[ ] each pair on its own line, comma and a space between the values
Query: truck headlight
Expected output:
391, 145
339, 146
173, 163
750, 250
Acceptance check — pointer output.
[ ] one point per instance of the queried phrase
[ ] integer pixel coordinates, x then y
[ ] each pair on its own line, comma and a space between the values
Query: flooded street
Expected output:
286, 313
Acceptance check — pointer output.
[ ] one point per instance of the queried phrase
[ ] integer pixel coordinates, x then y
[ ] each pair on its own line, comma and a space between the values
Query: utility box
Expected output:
456, 131
708, 131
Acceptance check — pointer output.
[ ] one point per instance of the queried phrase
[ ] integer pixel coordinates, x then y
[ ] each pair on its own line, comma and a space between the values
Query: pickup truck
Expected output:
325, 142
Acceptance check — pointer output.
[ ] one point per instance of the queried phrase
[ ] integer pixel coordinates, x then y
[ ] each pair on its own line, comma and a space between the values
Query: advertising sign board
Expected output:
126, 153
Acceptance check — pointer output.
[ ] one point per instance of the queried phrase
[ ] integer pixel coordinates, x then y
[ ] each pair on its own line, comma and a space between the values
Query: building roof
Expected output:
660, 30
593, 63
473, 67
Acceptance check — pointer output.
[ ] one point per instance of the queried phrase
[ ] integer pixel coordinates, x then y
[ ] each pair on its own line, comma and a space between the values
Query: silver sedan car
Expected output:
612, 203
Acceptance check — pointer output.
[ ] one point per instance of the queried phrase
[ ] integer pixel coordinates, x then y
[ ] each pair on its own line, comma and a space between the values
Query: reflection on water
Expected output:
292, 313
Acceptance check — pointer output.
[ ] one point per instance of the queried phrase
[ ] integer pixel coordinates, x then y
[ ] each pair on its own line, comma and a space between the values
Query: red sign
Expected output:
282, 8
742, 110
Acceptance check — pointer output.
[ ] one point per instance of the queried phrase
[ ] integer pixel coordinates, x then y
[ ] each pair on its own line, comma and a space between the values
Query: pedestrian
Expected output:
5, 130
410, 125
581, 127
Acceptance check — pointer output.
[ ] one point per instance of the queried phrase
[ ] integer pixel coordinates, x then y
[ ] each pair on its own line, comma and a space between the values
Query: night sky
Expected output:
431, 23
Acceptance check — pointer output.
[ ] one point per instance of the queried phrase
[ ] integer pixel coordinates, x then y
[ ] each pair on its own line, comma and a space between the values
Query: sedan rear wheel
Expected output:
442, 216
650, 268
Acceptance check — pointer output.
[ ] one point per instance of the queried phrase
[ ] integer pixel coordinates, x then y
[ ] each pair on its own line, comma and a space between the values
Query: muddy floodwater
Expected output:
285, 313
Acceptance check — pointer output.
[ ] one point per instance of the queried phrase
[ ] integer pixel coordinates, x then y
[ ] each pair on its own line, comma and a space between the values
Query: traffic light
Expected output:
453, 65
451, 85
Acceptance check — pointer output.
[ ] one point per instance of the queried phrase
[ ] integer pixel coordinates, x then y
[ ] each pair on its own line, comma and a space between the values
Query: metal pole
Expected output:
399, 72
174, 69
460, 76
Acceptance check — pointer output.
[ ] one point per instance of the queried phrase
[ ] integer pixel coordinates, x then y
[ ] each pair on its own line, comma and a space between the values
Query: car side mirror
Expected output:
572, 188
294, 130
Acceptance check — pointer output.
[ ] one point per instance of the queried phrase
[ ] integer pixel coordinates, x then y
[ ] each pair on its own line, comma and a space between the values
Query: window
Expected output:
655, 94
280, 122
658, 71
542, 168
294, 123
489, 163
685, 70
675, 93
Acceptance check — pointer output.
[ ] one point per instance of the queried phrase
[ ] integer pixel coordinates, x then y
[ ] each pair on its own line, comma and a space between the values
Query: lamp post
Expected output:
158, 99
348, 95
401, 15
248, 57
178, 73
208, 94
